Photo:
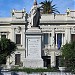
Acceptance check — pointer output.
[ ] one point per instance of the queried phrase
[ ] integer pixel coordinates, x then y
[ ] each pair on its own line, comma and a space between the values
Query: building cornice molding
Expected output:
59, 22
18, 22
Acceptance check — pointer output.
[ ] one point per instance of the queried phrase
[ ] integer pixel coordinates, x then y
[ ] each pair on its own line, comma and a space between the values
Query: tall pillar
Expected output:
49, 40
53, 59
69, 35
53, 44
0, 35
56, 40
62, 39
66, 40
13, 34
43, 42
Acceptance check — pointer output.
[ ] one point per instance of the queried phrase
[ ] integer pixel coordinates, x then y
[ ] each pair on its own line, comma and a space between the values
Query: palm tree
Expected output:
48, 8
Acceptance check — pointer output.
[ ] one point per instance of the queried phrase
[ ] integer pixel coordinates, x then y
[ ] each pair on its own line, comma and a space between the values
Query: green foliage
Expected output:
61, 61
68, 52
47, 7
30, 70
6, 48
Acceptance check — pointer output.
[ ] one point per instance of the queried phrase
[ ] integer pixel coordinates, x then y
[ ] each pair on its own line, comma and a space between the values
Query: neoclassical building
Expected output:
57, 30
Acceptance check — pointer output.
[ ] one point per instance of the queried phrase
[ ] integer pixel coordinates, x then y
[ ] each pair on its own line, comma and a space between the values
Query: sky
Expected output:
6, 6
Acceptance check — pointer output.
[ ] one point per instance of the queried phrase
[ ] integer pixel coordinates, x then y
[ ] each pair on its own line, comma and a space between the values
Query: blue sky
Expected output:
7, 5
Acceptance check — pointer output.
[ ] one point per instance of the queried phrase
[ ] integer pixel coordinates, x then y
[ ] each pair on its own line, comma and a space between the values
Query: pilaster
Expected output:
53, 36
49, 40
67, 35
13, 34
53, 59
56, 40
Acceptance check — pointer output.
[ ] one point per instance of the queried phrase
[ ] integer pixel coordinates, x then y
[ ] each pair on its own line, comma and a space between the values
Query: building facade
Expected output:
57, 30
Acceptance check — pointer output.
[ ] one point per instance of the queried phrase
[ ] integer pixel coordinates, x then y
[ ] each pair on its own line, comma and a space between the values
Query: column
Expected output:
7, 35
52, 38
49, 37
69, 35
66, 40
62, 39
7, 63
53, 59
43, 45
0, 34
42, 40
23, 37
56, 40
13, 33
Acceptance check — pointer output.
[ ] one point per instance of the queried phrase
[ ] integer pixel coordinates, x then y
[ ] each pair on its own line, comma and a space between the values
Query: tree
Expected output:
7, 47
68, 53
48, 8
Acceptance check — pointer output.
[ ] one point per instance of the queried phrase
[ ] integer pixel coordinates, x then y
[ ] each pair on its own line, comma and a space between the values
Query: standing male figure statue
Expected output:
35, 15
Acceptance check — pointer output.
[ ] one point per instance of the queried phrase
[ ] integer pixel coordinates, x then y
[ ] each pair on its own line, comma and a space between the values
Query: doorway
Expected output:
57, 61
17, 59
73, 37
47, 61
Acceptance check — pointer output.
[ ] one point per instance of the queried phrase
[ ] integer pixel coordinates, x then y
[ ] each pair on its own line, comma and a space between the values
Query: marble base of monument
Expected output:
33, 48
33, 63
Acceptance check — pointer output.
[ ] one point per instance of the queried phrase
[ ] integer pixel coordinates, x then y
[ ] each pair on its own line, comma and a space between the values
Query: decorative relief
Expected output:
46, 29
50, 29
73, 29
18, 29
59, 29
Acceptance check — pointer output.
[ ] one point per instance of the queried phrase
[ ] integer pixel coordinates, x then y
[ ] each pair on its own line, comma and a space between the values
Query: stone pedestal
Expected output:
33, 63
33, 48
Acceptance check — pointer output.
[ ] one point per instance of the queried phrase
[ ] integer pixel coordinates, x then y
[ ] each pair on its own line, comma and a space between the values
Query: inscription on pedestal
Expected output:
34, 47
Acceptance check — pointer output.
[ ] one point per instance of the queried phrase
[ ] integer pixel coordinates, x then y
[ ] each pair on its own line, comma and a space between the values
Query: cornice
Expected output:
58, 21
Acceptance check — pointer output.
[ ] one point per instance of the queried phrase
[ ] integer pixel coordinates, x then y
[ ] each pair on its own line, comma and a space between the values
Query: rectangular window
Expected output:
3, 36
46, 38
55, 39
59, 40
18, 38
